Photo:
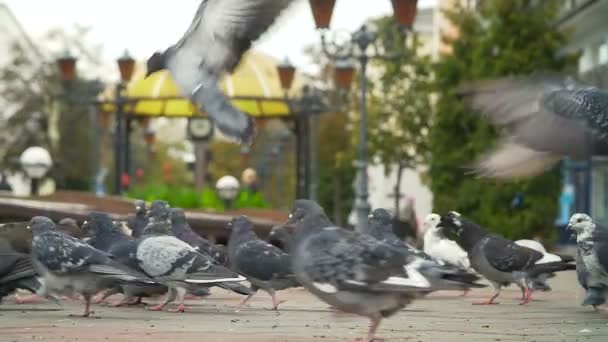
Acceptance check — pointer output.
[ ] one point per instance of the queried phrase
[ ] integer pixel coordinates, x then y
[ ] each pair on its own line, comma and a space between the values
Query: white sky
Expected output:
145, 26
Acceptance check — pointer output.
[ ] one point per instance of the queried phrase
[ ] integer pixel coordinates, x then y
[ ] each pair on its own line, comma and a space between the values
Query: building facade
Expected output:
586, 182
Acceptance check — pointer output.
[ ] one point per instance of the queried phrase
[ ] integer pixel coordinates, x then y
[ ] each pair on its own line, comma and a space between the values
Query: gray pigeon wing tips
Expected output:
14, 266
506, 256
233, 123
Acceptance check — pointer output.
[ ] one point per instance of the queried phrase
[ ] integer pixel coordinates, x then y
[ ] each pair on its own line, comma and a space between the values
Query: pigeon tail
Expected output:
558, 266
236, 288
120, 272
232, 122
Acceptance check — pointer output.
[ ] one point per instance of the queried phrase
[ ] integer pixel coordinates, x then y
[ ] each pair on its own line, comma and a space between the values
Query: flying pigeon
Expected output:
176, 264
441, 275
69, 265
220, 33
545, 118
440, 248
265, 266
499, 260
592, 241
182, 231
540, 282
280, 237
16, 272
107, 237
139, 221
352, 272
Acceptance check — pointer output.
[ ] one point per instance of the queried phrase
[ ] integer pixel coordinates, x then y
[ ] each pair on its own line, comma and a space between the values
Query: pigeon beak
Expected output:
370, 216
569, 227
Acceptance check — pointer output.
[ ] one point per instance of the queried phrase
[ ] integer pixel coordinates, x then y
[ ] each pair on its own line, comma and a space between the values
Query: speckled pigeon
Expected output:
443, 276
107, 237
499, 260
592, 262
182, 231
545, 117
352, 272
68, 265
265, 266
176, 264
220, 33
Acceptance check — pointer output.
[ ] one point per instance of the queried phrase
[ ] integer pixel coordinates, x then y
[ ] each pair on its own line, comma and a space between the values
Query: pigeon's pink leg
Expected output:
243, 302
181, 293
87, 307
465, 293
490, 301
28, 299
168, 299
375, 322
275, 302
527, 296
100, 297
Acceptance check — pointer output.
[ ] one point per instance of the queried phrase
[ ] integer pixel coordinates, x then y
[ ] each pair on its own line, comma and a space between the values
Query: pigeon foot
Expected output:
488, 302
27, 299
158, 307
527, 297
180, 308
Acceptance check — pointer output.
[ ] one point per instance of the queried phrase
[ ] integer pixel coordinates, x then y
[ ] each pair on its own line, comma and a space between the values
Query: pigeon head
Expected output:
240, 224
464, 232
41, 224
581, 224
303, 209
156, 62
178, 216
431, 221
159, 211
380, 216
158, 228
451, 224
98, 223
140, 207
279, 233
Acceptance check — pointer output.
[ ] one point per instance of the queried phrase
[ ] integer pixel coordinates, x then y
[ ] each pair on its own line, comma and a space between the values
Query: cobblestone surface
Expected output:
553, 316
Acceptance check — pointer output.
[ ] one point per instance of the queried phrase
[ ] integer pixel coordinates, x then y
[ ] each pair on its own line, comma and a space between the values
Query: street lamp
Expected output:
228, 189
126, 66
36, 162
358, 47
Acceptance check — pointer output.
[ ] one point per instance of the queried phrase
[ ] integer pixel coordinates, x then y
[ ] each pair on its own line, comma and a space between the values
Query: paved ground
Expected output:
554, 316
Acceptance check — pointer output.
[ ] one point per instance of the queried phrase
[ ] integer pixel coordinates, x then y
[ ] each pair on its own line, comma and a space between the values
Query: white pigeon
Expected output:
440, 248
540, 282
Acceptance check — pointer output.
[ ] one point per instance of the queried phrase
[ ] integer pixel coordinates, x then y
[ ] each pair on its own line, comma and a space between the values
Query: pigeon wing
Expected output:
600, 236
261, 260
343, 260
15, 266
507, 256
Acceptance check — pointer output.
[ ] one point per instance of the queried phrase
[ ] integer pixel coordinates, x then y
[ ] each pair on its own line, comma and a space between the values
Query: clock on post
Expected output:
200, 128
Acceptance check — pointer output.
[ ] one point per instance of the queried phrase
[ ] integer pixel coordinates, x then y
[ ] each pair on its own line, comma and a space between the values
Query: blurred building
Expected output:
586, 182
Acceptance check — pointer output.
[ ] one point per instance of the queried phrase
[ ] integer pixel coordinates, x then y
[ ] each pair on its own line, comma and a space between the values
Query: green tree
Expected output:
400, 106
503, 38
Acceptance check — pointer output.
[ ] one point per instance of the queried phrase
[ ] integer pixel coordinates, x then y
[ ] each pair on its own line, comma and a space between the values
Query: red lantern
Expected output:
322, 11
286, 74
126, 66
405, 12
67, 67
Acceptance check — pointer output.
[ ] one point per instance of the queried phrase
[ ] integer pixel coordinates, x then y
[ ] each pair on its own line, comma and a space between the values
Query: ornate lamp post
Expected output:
362, 46
126, 66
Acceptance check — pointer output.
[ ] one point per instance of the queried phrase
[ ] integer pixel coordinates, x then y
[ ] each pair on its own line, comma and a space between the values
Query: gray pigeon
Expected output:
592, 258
350, 271
138, 223
220, 33
182, 231
17, 272
546, 117
68, 265
176, 264
107, 237
499, 260
264, 265
280, 237
441, 275
70, 227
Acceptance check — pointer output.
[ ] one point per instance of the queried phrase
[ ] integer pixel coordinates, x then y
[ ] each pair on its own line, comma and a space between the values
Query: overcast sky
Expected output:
144, 26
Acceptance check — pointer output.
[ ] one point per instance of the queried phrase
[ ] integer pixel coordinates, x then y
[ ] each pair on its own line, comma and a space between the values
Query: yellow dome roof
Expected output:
254, 88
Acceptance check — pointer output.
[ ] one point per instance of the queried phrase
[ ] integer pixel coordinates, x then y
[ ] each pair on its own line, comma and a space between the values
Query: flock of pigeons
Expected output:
372, 274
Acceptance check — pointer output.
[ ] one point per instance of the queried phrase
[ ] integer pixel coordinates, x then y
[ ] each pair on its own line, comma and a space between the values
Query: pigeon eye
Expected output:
579, 220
